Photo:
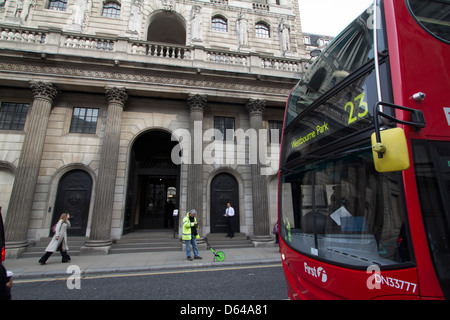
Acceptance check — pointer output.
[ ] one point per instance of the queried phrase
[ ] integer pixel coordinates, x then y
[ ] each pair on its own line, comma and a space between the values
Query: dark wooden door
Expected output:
73, 197
153, 200
224, 188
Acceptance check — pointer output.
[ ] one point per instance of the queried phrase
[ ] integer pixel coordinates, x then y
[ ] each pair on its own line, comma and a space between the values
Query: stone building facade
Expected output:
118, 112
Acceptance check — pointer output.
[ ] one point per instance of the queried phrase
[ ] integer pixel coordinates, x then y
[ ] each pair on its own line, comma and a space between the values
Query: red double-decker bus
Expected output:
364, 181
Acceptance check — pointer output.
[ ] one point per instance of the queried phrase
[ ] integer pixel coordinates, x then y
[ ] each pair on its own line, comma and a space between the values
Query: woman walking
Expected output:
59, 240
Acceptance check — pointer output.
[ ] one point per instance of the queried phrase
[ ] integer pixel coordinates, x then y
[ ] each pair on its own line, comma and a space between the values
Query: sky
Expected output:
329, 17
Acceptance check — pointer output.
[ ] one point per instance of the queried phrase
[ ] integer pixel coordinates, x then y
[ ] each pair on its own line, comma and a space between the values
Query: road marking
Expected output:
147, 273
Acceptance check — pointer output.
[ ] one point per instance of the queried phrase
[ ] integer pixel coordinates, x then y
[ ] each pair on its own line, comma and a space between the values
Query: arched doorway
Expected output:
74, 196
224, 188
153, 183
167, 27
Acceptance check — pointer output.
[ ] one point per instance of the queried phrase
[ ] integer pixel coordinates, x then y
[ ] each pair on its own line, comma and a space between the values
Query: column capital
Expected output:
116, 95
43, 90
255, 106
197, 102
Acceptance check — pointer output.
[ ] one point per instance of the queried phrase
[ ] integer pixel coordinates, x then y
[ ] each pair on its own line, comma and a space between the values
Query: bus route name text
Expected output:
320, 129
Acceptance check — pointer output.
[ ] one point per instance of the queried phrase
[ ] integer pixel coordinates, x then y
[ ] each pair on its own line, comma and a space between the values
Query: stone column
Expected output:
22, 194
197, 106
261, 221
100, 235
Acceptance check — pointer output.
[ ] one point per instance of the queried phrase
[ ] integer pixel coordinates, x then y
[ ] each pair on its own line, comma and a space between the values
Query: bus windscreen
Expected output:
349, 51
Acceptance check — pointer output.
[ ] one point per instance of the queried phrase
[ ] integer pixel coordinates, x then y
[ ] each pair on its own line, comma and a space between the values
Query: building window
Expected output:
275, 125
219, 23
262, 30
60, 5
224, 123
13, 115
111, 9
84, 120
306, 40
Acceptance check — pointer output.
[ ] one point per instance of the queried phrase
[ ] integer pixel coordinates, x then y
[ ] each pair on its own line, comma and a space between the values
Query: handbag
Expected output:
275, 229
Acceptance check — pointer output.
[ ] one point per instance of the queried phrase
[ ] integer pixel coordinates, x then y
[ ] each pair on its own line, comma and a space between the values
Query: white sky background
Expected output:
329, 17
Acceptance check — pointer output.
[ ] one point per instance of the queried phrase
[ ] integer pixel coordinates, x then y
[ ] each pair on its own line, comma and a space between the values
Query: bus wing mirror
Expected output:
390, 151
393, 149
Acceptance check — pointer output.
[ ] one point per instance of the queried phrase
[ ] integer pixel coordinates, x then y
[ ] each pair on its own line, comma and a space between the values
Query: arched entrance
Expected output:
74, 196
153, 183
224, 188
167, 27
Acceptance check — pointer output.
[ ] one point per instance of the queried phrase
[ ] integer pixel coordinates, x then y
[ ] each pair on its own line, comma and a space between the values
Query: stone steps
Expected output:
144, 241
220, 241
37, 249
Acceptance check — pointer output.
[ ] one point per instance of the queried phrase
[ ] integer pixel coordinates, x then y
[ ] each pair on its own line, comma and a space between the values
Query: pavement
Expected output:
29, 268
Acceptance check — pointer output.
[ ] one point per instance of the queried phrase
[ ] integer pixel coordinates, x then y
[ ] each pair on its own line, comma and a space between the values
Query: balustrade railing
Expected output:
87, 42
281, 64
161, 50
196, 56
22, 35
260, 6
227, 58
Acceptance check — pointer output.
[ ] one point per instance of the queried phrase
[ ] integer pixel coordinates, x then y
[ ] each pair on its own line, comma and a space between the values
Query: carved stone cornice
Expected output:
116, 95
255, 106
143, 77
43, 90
197, 103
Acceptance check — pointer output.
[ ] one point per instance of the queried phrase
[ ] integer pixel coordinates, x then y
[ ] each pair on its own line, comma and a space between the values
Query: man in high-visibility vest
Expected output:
190, 234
